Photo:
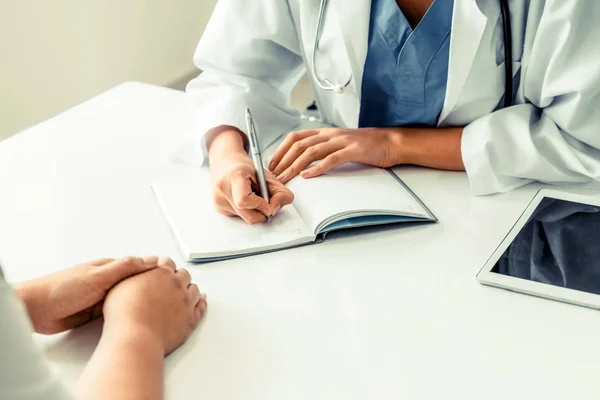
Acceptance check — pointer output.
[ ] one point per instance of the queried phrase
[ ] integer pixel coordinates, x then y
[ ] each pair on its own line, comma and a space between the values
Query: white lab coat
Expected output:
253, 53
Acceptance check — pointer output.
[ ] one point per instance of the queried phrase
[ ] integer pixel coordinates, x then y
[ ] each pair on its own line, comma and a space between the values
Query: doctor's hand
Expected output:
234, 185
334, 147
74, 296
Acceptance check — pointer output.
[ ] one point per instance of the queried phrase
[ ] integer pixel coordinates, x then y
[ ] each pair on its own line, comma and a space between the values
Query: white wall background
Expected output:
57, 53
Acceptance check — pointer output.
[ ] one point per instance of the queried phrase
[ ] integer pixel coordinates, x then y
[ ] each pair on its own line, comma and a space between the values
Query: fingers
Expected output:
280, 200
194, 294
287, 143
280, 195
244, 197
102, 261
198, 302
331, 161
312, 154
234, 195
196, 299
250, 207
199, 311
226, 212
70, 322
199, 307
297, 149
114, 272
251, 216
184, 277
222, 205
151, 260
227, 206
167, 263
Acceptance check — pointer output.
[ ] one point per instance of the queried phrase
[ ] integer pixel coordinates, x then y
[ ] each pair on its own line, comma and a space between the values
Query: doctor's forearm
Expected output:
438, 148
223, 140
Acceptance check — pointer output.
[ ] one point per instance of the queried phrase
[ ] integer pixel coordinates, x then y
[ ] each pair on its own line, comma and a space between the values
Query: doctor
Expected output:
406, 82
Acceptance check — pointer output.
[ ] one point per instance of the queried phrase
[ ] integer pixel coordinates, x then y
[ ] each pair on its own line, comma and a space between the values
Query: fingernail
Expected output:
282, 177
203, 296
306, 173
276, 209
271, 165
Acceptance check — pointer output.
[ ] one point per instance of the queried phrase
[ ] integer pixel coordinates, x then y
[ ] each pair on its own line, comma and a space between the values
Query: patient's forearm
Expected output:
127, 364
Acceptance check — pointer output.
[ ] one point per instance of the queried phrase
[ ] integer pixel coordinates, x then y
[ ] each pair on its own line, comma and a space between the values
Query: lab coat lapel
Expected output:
353, 18
468, 26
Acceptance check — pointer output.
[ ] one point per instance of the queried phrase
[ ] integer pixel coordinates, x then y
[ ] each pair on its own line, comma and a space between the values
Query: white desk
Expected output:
381, 315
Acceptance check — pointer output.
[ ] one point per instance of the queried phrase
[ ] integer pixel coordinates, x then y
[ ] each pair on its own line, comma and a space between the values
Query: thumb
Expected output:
114, 272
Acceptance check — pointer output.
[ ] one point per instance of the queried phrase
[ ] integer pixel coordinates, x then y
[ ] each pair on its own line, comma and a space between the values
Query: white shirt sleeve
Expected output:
24, 373
251, 58
554, 137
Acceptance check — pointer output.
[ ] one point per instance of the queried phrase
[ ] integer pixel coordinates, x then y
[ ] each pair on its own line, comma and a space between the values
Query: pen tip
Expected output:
269, 219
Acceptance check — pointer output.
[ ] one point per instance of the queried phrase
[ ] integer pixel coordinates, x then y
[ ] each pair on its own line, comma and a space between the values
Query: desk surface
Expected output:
377, 315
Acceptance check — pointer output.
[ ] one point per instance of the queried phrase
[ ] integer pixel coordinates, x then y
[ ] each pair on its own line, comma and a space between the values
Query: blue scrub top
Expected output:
404, 80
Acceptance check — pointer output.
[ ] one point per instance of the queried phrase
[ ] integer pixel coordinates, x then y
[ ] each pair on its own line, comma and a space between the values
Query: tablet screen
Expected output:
559, 245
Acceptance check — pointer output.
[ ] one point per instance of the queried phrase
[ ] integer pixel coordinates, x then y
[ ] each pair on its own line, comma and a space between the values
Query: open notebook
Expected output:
349, 196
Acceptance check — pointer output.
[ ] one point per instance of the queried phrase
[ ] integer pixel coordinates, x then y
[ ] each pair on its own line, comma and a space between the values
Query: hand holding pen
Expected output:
263, 191
234, 178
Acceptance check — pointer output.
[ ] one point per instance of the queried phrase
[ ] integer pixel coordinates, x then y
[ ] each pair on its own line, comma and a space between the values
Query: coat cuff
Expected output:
193, 151
480, 154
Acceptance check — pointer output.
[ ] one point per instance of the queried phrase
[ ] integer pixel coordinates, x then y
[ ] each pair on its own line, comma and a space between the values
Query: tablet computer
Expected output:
552, 251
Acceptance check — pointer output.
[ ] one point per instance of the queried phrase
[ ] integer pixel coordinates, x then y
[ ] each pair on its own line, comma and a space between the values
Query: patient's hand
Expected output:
162, 305
75, 296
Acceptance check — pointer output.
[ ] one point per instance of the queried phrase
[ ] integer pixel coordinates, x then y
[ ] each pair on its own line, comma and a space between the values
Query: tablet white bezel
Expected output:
486, 277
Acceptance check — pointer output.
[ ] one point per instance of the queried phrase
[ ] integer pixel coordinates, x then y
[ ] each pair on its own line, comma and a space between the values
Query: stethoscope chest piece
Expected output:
339, 89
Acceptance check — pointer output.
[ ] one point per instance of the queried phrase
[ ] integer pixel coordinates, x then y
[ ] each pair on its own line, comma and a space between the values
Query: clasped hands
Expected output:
147, 295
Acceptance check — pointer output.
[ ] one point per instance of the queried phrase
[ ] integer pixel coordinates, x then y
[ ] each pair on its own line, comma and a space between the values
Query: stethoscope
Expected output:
326, 84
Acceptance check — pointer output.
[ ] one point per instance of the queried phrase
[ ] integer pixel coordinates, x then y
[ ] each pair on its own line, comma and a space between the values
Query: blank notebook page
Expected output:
350, 188
186, 203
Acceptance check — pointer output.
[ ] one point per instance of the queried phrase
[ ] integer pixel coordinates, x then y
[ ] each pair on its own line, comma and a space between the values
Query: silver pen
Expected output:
257, 158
